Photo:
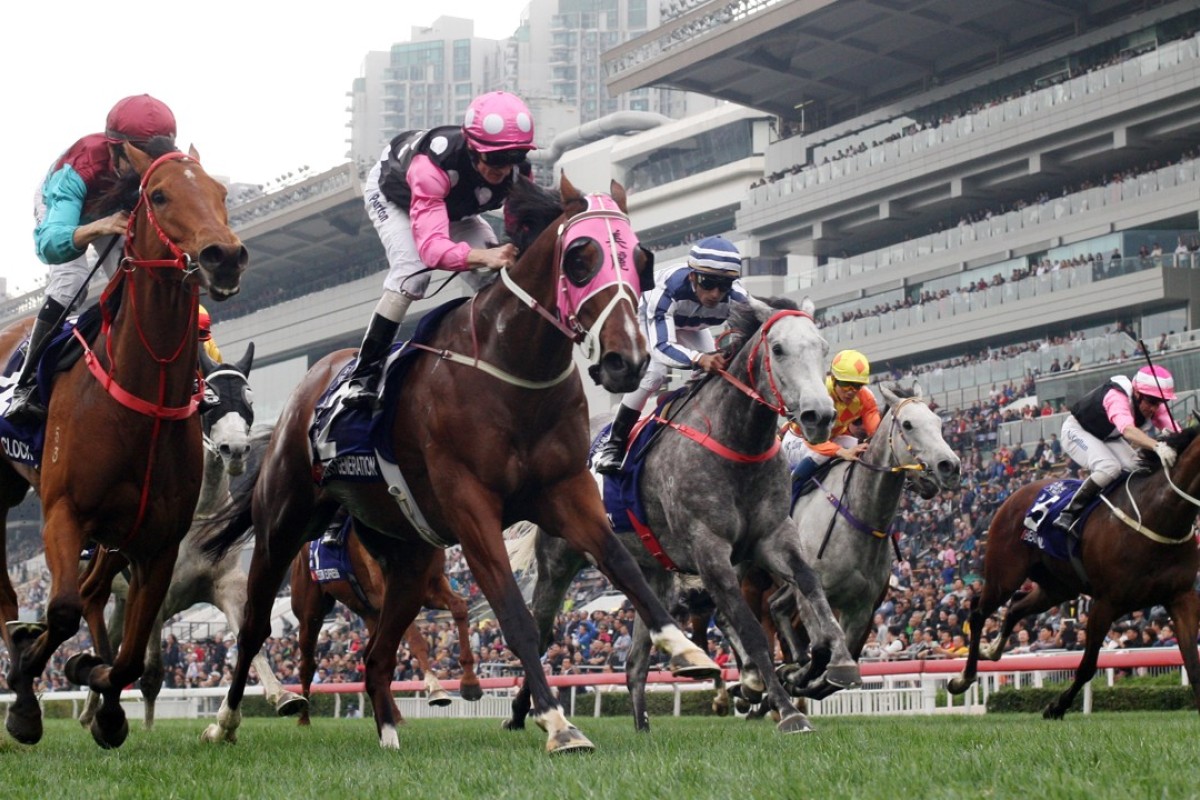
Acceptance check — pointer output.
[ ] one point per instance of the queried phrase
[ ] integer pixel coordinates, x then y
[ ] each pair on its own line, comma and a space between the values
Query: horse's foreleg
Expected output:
1100, 619
573, 510
557, 565
637, 667
445, 597
1185, 613
310, 605
152, 675
229, 595
419, 648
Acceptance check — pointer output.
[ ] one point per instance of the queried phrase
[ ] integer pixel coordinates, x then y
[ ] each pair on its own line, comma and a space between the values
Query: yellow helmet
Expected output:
850, 366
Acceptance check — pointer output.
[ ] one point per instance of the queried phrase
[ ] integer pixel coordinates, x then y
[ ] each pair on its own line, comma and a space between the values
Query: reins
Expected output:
1136, 522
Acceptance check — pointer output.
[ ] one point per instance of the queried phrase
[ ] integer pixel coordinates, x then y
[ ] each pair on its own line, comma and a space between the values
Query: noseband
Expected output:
763, 354
895, 430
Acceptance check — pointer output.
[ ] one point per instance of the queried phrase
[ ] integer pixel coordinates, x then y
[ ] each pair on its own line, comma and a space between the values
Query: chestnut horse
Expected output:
123, 457
1137, 551
312, 601
492, 430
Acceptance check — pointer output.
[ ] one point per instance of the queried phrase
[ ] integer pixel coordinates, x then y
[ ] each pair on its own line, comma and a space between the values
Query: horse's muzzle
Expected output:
618, 374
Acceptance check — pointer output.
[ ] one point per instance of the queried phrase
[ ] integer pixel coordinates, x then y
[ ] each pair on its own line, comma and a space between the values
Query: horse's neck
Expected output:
154, 332
875, 494
214, 490
731, 415
512, 335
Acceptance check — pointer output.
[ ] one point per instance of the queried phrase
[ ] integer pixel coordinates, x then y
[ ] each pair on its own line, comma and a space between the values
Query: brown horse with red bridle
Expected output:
492, 429
363, 594
1138, 550
123, 456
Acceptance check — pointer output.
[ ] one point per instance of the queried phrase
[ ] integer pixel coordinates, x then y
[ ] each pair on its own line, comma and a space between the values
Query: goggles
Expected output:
709, 282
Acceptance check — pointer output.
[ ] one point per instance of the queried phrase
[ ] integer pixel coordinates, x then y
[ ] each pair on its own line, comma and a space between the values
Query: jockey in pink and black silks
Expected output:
1107, 423
77, 207
425, 197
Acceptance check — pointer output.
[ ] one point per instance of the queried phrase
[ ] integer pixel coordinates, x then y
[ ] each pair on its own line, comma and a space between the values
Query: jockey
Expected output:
206, 339
854, 406
1107, 423
425, 197
77, 206
686, 301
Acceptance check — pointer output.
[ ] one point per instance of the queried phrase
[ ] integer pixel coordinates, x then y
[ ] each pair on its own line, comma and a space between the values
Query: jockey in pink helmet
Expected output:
76, 208
425, 196
1105, 426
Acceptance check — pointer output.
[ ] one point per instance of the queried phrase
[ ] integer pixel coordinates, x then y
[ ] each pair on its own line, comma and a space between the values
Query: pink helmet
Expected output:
139, 118
498, 121
1156, 382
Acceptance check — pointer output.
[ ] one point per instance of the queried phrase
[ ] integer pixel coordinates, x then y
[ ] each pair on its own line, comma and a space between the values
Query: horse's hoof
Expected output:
108, 735
797, 723
569, 740
290, 704
439, 698
1052, 712
742, 705
304, 721
693, 664
78, 669
470, 692
215, 734
25, 728
844, 676
22, 633
720, 709
958, 685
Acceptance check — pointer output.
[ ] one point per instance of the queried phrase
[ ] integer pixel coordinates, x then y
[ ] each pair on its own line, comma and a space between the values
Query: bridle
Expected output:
895, 430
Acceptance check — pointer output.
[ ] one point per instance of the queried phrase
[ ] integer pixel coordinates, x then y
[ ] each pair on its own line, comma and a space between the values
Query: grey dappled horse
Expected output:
853, 557
717, 494
196, 579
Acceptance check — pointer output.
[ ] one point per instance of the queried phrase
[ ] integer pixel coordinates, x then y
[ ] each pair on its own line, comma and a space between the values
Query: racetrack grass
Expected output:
1128, 755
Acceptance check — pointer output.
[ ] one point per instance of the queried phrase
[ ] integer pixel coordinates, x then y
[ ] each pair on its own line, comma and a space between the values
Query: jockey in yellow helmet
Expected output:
854, 405
206, 340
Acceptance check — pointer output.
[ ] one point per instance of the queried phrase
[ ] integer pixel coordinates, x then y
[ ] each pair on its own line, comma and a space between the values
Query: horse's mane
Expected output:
123, 194
528, 211
1148, 459
744, 323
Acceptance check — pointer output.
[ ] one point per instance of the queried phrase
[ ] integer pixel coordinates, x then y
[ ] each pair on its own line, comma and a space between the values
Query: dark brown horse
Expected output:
1141, 555
492, 430
312, 601
123, 459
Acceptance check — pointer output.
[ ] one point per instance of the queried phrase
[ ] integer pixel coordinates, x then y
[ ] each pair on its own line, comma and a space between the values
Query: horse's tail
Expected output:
521, 542
233, 523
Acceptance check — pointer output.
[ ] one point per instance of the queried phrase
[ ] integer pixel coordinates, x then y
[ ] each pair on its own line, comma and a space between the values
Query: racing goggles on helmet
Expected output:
709, 282
502, 158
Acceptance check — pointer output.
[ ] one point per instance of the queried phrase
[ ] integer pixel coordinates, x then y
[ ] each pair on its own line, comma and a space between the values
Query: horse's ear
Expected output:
618, 194
247, 360
808, 306
140, 161
207, 365
916, 389
567, 190
645, 269
889, 396
193, 153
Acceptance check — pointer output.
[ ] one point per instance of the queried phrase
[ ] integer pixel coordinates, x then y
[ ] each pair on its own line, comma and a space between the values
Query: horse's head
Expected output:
914, 439
785, 361
181, 217
227, 422
601, 271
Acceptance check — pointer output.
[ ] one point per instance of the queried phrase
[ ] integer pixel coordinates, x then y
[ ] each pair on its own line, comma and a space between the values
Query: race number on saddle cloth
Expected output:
1040, 531
330, 562
345, 441
23, 443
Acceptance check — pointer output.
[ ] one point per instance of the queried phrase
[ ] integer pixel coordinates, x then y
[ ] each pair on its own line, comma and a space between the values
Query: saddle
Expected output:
801, 488
1040, 531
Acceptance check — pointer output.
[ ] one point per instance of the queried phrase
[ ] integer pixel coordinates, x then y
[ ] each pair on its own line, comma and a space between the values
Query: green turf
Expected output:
1129, 755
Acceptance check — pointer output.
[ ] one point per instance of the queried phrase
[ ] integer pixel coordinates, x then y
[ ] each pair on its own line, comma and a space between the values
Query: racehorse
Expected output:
716, 494
122, 462
484, 440
842, 525
363, 594
1136, 552
227, 443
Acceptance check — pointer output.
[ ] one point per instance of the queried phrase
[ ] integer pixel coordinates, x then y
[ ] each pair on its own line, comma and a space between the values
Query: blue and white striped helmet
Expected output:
715, 255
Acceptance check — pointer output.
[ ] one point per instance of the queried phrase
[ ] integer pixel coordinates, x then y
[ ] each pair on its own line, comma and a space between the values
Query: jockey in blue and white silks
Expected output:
676, 315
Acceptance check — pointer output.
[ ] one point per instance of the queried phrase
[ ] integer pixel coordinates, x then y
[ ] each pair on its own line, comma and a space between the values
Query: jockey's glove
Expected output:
1166, 454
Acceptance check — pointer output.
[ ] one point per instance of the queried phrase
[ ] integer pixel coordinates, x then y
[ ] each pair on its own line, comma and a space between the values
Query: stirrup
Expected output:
361, 396
26, 407
1065, 522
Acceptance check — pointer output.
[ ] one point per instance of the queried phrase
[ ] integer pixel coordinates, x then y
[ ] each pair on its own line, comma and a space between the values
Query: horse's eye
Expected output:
158, 197
908, 426
582, 260
776, 349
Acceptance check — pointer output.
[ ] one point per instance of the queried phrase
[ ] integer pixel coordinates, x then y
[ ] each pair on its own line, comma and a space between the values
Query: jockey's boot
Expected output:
1086, 494
26, 407
611, 455
363, 392
804, 470
335, 533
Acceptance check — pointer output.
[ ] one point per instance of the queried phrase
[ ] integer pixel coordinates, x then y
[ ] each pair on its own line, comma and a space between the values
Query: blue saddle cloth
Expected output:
622, 497
1039, 520
330, 562
23, 443
344, 441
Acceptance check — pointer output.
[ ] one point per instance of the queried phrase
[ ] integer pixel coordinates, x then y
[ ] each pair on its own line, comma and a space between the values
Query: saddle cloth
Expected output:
329, 561
1039, 519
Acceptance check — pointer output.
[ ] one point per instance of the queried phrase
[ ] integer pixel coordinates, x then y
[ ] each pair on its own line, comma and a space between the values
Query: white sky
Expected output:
258, 86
